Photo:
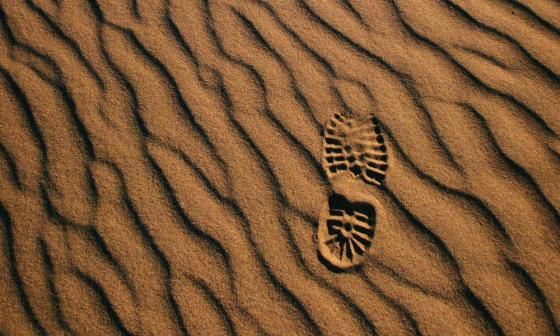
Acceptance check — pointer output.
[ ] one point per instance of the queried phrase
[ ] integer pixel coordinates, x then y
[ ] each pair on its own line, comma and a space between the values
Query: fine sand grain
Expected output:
163, 168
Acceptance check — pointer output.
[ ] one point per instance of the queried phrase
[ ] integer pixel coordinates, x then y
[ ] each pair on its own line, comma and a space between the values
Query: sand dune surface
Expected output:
283, 167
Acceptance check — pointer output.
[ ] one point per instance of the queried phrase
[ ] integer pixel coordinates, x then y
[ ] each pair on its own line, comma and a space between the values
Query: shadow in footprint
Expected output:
346, 232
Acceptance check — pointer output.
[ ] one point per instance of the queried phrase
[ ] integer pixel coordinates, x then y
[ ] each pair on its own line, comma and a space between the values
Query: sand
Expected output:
164, 167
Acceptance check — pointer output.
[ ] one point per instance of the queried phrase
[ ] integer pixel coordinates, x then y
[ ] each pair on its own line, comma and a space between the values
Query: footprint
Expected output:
354, 146
346, 230
347, 225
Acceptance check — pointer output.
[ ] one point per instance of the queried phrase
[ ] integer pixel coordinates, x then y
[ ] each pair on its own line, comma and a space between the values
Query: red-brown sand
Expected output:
163, 167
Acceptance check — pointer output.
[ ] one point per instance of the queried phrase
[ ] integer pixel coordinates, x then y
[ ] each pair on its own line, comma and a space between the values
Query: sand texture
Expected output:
283, 167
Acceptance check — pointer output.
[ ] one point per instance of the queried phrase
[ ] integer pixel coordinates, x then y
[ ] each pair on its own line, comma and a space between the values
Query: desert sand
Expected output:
164, 167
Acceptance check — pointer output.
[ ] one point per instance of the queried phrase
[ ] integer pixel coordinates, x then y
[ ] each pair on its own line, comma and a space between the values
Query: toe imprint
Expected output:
346, 231
355, 146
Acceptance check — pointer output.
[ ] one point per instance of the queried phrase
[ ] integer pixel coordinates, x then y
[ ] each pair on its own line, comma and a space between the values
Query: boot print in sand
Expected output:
354, 147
